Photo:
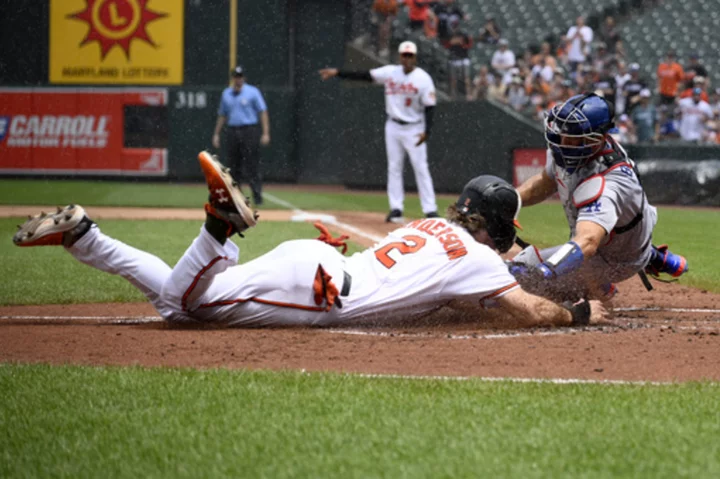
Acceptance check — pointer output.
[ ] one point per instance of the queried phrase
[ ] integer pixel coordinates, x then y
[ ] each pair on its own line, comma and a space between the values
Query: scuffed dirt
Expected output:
665, 345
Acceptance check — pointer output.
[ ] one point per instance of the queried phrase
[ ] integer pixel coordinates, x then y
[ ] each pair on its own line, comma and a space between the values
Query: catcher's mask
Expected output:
498, 202
576, 130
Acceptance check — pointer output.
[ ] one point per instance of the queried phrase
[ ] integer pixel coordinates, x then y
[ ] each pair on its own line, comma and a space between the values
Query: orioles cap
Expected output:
407, 47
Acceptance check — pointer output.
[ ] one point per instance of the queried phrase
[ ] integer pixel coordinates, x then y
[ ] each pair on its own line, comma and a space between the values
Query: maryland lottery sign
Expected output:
116, 42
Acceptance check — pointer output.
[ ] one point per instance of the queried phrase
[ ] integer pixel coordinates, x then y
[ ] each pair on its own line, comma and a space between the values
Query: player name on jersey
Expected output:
439, 229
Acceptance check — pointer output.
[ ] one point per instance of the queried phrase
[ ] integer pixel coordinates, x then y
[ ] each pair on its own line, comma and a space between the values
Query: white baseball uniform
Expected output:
406, 96
415, 269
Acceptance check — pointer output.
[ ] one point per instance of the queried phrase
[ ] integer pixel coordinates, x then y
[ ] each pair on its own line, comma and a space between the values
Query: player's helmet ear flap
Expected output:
498, 202
575, 130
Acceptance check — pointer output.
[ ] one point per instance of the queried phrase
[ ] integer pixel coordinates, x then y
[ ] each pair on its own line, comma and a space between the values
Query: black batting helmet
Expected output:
498, 202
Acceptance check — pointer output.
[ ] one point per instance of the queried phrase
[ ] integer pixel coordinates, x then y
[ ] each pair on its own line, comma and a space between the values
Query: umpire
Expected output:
241, 107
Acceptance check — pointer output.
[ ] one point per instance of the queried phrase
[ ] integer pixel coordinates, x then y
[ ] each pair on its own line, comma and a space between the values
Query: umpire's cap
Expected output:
237, 71
498, 202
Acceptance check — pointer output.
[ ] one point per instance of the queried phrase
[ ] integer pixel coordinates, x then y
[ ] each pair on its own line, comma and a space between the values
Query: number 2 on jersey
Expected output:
410, 244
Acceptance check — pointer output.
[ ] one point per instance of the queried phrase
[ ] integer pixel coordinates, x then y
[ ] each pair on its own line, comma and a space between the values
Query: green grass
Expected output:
689, 232
49, 275
105, 193
132, 422
101, 193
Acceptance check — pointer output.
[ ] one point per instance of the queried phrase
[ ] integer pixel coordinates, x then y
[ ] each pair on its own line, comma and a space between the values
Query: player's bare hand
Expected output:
421, 139
598, 313
265, 140
327, 73
216, 141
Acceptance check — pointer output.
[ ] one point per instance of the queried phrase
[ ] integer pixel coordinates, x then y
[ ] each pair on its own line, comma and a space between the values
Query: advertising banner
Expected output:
116, 42
73, 131
527, 162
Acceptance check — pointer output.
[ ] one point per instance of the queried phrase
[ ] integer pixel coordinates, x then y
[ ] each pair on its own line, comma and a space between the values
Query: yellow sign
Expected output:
116, 41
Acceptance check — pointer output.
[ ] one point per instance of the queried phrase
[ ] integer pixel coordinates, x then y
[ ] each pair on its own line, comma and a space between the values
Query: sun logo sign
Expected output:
117, 22
131, 42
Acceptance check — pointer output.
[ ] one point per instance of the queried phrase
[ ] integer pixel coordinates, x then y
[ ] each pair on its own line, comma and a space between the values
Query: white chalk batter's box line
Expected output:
604, 382
560, 381
634, 325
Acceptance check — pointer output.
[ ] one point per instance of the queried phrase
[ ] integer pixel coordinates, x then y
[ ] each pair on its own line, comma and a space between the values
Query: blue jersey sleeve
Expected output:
259, 102
224, 108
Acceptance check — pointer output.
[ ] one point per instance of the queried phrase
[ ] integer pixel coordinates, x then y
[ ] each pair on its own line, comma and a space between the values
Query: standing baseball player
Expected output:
416, 269
611, 221
409, 104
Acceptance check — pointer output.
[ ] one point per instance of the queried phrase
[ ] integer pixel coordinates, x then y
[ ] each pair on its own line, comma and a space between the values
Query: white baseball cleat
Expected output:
64, 228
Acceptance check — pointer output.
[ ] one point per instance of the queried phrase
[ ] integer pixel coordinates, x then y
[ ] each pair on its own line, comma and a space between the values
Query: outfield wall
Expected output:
322, 132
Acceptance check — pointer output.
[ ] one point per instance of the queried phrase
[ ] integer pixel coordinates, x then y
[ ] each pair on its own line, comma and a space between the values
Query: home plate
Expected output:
330, 219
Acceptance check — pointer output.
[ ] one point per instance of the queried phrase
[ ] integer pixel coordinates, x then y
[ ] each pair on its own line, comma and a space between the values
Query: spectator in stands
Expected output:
561, 51
459, 45
490, 32
633, 87
698, 82
579, 38
624, 132
586, 77
546, 53
542, 68
621, 77
602, 59
711, 133
669, 75
418, 12
431, 25
538, 91
516, 96
694, 69
560, 90
498, 90
604, 85
482, 83
447, 12
609, 33
503, 60
694, 113
668, 124
715, 103
645, 118
620, 49
384, 12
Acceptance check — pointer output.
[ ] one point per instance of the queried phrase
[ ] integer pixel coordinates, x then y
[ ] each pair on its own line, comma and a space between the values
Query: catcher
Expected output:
416, 269
611, 221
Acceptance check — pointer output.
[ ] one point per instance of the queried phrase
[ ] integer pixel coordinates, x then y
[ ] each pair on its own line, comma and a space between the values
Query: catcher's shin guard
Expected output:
663, 260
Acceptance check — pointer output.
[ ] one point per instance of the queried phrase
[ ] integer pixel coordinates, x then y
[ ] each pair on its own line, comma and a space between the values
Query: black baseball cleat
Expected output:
395, 216
432, 214
226, 202
63, 228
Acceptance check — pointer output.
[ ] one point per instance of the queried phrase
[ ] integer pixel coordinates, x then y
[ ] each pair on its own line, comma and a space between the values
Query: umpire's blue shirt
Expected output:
244, 108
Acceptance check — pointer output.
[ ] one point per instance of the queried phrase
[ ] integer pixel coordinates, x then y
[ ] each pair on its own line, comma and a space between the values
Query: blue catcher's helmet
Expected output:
576, 130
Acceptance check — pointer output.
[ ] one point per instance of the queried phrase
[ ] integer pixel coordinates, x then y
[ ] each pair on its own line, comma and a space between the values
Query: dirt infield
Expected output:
670, 334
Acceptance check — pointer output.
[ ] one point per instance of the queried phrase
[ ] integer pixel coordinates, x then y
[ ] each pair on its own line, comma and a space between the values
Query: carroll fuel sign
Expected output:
116, 42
